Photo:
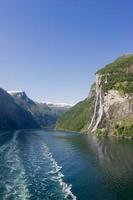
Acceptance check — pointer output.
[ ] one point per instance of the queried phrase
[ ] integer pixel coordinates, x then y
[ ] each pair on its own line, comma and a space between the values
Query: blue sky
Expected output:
52, 48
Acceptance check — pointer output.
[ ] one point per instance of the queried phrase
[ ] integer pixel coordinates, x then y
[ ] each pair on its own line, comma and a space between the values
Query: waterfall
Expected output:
95, 109
98, 110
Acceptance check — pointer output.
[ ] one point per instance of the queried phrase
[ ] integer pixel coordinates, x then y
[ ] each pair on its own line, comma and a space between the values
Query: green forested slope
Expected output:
78, 117
117, 75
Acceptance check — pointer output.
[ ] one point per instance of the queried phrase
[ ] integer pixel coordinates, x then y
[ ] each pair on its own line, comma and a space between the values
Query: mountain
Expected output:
113, 99
40, 111
77, 117
45, 114
59, 108
22, 99
13, 116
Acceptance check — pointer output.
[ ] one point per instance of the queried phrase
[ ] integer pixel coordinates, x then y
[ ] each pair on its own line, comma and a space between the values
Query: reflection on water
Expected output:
28, 169
115, 157
46, 165
112, 158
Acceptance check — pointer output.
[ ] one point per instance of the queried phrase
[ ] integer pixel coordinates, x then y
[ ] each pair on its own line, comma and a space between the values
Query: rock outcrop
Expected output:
113, 113
98, 110
110, 103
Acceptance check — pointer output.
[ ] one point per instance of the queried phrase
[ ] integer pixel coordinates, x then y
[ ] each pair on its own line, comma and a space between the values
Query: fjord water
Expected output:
46, 165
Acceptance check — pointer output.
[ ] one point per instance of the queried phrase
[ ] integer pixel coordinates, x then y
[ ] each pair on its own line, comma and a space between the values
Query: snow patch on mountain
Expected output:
50, 104
15, 91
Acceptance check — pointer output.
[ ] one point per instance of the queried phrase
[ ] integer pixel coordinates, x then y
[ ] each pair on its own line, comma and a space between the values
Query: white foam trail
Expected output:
14, 181
58, 176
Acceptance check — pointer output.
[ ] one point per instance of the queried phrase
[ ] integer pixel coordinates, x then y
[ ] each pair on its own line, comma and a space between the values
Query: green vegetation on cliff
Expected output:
78, 117
122, 64
118, 75
124, 128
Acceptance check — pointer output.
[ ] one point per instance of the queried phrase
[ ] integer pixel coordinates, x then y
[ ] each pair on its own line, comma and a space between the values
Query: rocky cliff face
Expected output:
113, 113
22, 99
98, 110
109, 106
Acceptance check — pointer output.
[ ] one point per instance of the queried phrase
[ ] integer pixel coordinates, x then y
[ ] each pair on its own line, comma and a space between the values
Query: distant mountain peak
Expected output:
18, 93
22, 98
57, 104
15, 91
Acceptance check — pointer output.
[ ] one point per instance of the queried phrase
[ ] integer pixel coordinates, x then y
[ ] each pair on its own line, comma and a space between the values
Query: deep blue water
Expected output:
46, 165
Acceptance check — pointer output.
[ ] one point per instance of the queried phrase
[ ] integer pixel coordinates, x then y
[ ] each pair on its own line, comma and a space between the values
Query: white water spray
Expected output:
14, 182
98, 110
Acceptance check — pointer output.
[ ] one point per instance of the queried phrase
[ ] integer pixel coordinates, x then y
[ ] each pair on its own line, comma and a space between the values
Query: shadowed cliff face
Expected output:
13, 116
45, 114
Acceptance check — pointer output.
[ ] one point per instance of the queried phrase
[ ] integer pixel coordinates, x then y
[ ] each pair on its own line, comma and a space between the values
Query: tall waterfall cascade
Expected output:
98, 110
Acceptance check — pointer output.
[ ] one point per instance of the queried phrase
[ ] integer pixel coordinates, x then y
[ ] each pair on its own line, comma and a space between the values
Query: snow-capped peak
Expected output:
57, 104
18, 93
15, 91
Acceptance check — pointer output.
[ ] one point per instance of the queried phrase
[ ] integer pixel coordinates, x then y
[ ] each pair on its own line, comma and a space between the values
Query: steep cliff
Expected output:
79, 116
110, 111
44, 114
40, 111
13, 116
113, 112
